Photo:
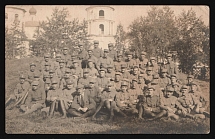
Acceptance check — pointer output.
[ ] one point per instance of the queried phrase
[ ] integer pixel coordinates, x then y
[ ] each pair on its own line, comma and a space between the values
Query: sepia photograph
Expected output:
107, 69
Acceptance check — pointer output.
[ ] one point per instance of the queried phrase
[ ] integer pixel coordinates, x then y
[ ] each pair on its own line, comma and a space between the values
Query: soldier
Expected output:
118, 62
61, 70
155, 84
93, 91
85, 79
102, 81
168, 105
74, 56
67, 77
171, 66
117, 81
174, 84
83, 105
53, 97
112, 53
107, 97
141, 81
67, 96
185, 103
142, 62
46, 60
122, 100
150, 105
30, 74
163, 80
154, 65
93, 73
134, 94
110, 73
76, 71
129, 61
105, 60
189, 82
82, 55
201, 103
149, 76
37, 77
19, 92
35, 99
92, 57
65, 55
56, 63
135, 72
97, 52
52, 74
125, 73
45, 72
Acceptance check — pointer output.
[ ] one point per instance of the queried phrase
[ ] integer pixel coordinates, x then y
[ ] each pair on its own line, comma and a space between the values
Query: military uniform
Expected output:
65, 57
142, 63
63, 81
176, 87
117, 64
112, 53
78, 72
93, 72
164, 81
171, 67
148, 78
189, 84
35, 99
125, 74
155, 67
102, 82
105, 61
84, 81
30, 74
94, 92
110, 75
82, 55
97, 52
60, 71
130, 63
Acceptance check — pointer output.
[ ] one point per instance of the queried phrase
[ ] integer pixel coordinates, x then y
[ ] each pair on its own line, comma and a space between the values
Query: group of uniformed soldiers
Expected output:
80, 85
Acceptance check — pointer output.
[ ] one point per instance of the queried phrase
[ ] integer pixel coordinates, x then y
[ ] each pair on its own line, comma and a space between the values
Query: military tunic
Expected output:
97, 52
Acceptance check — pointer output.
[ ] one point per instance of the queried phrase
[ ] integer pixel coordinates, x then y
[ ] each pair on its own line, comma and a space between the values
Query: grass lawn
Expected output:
34, 124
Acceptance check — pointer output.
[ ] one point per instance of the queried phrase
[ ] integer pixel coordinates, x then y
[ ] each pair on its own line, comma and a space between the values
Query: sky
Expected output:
124, 14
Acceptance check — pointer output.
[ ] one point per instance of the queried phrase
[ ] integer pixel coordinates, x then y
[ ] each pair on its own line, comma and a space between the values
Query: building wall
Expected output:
29, 32
11, 16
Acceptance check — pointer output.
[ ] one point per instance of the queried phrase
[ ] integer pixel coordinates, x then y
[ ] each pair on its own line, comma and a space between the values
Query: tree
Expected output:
155, 33
193, 42
14, 40
120, 38
58, 32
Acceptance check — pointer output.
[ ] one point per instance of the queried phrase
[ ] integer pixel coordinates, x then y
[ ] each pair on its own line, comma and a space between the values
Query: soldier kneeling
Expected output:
149, 105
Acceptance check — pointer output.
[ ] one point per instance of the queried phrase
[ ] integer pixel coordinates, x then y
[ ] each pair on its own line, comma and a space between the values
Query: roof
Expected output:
16, 8
32, 24
99, 6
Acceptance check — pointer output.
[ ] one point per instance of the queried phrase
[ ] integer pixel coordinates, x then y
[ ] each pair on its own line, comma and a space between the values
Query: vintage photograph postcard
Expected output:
107, 69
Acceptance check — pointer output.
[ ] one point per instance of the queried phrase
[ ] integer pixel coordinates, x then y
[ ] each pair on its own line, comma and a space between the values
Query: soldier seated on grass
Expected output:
83, 105
19, 91
107, 98
149, 106
35, 99
168, 105
200, 102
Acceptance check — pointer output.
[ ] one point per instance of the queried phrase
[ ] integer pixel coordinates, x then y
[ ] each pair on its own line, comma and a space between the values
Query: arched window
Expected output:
16, 17
6, 16
101, 27
101, 14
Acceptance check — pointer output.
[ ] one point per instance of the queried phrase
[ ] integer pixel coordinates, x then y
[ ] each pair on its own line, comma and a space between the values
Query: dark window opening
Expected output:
101, 13
101, 26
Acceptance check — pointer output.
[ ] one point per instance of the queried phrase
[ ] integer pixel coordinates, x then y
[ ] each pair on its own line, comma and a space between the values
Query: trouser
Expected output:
75, 113
33, 108
142, 111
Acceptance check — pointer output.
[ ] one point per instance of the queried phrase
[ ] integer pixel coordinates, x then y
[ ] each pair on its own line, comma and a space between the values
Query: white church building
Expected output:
101, 24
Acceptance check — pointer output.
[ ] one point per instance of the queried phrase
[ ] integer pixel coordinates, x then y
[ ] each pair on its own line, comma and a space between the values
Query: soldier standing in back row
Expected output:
142, 62
97, 52
170, 66
112, 53
105, 60
65, 55
118, 62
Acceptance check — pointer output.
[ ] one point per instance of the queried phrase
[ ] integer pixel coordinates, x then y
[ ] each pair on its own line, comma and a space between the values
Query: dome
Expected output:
32, 11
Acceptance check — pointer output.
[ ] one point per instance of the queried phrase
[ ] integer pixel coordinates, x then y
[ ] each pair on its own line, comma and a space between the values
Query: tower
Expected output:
101, 24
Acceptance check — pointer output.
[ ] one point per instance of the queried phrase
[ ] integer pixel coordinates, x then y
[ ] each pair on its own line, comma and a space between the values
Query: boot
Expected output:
51, 110
123, 114
63, 109
97, 110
